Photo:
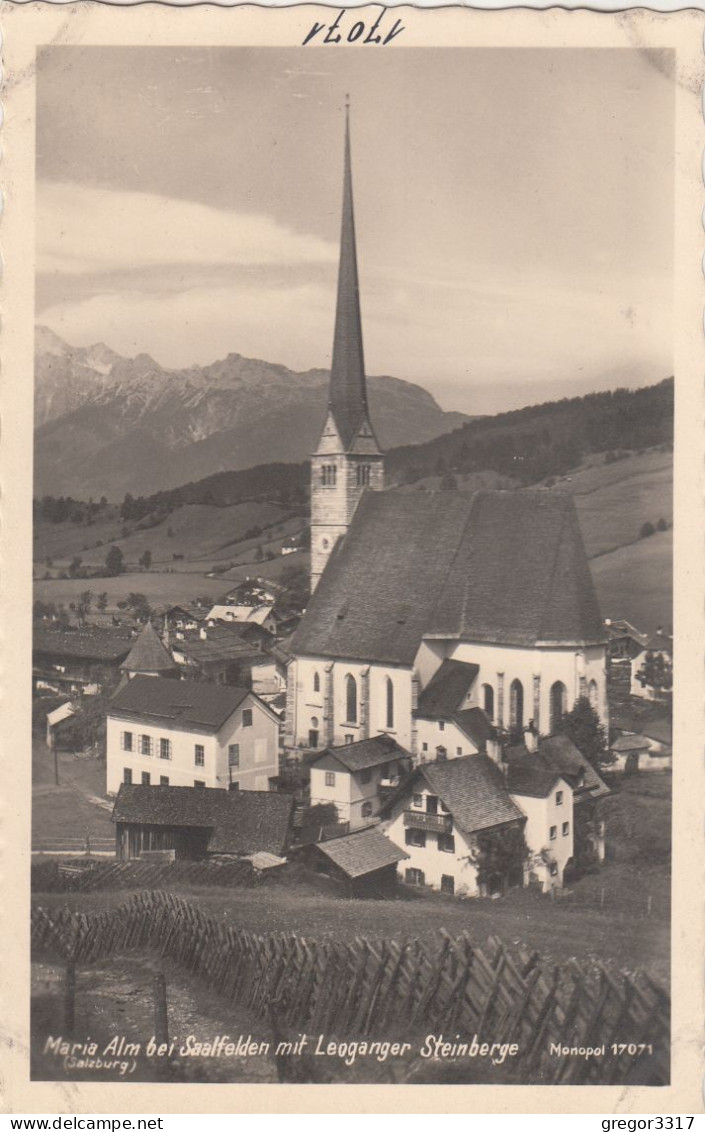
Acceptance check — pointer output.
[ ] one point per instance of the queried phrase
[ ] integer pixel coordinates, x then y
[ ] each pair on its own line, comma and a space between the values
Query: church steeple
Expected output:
348, 458
348, 390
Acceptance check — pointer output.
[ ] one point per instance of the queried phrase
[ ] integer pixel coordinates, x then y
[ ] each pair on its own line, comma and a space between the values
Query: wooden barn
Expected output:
197, 824
363, 863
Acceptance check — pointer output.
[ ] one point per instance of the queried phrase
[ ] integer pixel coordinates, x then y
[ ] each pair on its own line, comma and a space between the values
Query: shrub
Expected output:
647, 529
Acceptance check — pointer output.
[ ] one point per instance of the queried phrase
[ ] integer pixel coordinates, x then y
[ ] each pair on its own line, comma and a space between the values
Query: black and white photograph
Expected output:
352, 560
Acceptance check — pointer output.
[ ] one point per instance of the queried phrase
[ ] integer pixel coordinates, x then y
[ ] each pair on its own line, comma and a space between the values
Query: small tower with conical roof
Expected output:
148, 656
348, 459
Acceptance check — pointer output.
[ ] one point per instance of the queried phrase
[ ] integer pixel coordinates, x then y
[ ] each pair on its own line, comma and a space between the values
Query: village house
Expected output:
77, 660
219, 653
351, 776
200, 824
262, 615
362, 864
652, 668
497, 581
163, 732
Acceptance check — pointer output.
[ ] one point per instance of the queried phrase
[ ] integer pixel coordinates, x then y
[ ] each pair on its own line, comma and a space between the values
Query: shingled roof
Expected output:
241, 821
148, 654
473, 790
82, 644
363, 852
557, 756
496, 566
476, 724
366, 753
447, 689
183, 702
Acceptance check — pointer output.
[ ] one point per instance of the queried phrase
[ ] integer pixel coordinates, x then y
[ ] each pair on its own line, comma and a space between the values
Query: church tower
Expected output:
348, 459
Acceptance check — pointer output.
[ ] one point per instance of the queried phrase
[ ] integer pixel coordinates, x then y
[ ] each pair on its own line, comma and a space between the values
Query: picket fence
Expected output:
89, 875
364, 987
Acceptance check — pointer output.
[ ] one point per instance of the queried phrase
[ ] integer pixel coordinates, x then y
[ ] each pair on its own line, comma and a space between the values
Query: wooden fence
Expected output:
364, 987
89, 875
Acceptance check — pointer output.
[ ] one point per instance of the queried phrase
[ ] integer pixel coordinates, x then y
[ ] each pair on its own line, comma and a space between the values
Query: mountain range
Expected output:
106, 424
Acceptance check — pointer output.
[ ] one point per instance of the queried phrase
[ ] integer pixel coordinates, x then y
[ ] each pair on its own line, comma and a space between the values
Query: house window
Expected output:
441, 754
330, 778
328, 475
424, 746
441, 725
431, 804
516, 705
414, 876
163, 780
415, 837
247, 717
199, 755
552, 832
145, 745
459, 751
559, 696
165, 748
363, 475
349, 739
351, 699
365, 776
446, 843
447, 885
126, 740
366, 810
559, 797
198, 782
417, 801
390, 703
234, 754
488, 699
565, 829
592, 694
316, 682
146, 778
127, 775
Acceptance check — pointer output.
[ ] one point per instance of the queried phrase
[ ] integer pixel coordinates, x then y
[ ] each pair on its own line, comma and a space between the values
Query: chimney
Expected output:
531, 739
203, 633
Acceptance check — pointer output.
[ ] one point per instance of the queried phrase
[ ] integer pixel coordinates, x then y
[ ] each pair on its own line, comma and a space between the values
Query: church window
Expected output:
316, 682
390, 703
313, 732
488, 699
363, 475
559, 695
350, 699
328, 475
592, 694
516, 704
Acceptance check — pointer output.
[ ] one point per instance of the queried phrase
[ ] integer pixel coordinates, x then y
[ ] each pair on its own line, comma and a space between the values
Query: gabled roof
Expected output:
476, 724
148, 654
82, 644
557, 755
186, 703
362, 852
499, 566
241, 821
473, 790
365, 754
531, 779
660, 642
447, 689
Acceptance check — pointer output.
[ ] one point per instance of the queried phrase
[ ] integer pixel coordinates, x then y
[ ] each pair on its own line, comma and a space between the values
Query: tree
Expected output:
662, 525
139, 605
146, 559
500, 855
319, 814
647, 529
75, 566
583, 727
114, 562
102, 602
83, 605
656, 672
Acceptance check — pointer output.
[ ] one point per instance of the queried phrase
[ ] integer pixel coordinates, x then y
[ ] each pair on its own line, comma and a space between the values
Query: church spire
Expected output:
348, 393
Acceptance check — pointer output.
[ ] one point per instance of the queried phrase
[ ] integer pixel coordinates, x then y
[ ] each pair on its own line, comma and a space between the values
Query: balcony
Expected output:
431, 823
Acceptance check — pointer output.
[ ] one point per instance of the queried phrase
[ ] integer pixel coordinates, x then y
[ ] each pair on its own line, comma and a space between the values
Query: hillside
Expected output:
107, 425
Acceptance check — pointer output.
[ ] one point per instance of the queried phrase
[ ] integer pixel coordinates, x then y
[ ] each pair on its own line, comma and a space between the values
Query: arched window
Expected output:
559, 697
350, 699
390, 703
592, 694
516, 705
488, 699
316, 682
313, 732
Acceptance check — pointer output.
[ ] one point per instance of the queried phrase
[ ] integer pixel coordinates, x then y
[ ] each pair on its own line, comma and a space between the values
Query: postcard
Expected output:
352, 543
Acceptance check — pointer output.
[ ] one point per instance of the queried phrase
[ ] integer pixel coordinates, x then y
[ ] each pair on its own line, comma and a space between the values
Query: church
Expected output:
436, 618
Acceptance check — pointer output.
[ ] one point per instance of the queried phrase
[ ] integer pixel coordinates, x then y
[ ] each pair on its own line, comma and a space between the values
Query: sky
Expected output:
514, 210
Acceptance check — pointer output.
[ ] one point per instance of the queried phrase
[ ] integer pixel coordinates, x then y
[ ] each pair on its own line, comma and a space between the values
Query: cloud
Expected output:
82, 230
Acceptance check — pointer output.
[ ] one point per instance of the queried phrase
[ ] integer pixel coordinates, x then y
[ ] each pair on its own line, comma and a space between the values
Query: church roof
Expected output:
447, 689
348, 391
497, 566
148, 654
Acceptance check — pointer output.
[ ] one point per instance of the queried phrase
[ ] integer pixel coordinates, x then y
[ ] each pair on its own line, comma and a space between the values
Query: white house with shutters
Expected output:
164, 732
